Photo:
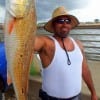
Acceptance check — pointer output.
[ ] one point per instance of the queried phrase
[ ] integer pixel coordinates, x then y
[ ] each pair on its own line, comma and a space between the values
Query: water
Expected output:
89, 37
91, 41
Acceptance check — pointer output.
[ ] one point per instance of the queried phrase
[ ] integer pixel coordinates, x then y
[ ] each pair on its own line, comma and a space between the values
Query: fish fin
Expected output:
11, 25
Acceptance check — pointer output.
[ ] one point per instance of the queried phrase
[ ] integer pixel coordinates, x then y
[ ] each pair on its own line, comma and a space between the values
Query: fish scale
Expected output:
20, 29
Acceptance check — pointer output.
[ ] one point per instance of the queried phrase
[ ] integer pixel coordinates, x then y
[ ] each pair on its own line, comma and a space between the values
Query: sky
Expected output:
84, 10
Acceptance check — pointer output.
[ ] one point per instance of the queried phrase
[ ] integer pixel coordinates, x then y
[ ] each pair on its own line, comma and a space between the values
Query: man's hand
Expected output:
94, 97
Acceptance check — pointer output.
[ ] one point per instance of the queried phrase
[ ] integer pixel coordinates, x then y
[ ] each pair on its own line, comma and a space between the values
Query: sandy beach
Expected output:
35, 85
94, 66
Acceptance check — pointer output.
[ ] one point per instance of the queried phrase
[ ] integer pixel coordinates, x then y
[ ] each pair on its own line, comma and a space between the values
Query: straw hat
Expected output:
60, 11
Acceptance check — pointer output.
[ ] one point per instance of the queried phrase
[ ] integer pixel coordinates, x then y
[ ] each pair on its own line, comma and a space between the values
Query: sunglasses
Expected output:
62, 21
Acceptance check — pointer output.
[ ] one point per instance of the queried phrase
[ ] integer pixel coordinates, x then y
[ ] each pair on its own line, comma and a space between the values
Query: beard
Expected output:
62, 35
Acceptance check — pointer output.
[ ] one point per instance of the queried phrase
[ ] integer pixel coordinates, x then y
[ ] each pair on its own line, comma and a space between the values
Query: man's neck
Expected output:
60, 38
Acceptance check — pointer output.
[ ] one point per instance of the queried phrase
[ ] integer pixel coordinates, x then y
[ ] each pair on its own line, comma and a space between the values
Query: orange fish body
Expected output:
20, 29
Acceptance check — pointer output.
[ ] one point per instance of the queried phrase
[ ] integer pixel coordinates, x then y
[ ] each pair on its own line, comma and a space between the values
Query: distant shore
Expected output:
89, 26
80, 26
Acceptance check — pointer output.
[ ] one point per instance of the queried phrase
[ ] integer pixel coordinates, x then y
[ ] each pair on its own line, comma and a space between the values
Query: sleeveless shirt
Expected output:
60, 79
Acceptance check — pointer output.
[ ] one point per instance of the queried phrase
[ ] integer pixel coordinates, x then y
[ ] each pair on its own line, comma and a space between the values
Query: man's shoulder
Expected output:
76, 40
79, 43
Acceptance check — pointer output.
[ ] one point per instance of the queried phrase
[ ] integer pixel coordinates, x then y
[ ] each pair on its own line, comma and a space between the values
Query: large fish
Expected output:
20, 29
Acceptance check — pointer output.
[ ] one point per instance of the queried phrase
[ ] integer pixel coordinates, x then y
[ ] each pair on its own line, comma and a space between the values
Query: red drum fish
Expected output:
20, 29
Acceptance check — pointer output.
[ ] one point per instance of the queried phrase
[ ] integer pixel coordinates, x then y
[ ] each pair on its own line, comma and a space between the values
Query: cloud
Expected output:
2, 2
45, 8
89, 13
2, 14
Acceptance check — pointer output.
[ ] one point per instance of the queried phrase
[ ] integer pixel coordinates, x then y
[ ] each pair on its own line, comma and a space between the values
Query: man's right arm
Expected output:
39, 43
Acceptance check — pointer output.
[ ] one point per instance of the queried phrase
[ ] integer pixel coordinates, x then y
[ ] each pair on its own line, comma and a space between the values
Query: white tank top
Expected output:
60, 79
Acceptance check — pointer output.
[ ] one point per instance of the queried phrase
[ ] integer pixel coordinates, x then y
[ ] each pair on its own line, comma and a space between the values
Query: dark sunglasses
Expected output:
62, 21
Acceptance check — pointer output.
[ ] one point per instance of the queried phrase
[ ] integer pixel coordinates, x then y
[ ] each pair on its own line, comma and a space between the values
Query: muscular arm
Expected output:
86, 74
39, 43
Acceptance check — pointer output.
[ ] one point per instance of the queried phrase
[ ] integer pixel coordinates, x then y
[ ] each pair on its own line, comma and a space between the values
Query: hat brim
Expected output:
48, 26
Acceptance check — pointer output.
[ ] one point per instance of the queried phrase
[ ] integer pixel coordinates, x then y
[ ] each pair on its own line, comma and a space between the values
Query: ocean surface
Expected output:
89, 37
91, 41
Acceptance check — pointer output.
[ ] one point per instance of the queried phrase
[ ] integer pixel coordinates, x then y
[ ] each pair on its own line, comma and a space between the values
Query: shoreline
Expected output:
88, 26
80, 26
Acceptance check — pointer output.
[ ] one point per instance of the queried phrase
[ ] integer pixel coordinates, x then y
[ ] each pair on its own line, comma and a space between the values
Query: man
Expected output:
63, 60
